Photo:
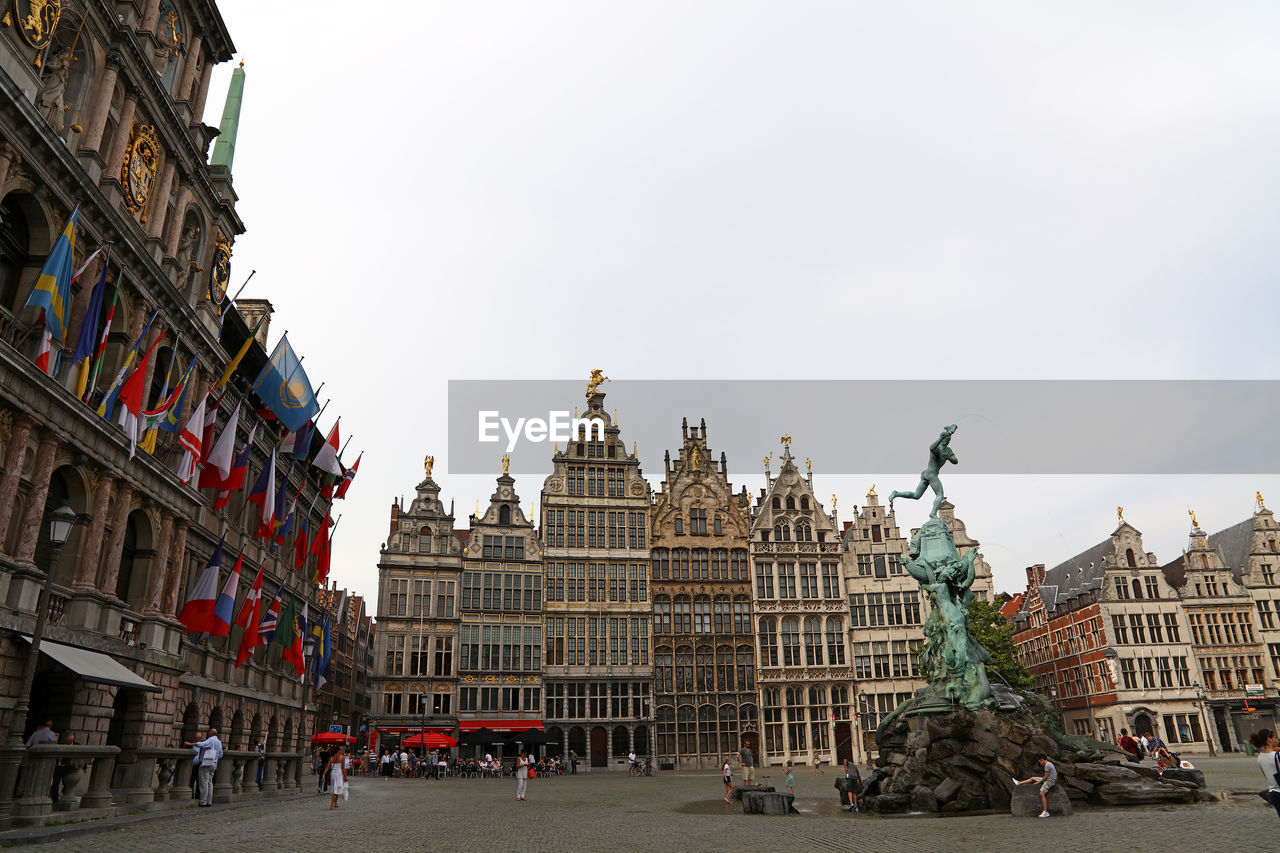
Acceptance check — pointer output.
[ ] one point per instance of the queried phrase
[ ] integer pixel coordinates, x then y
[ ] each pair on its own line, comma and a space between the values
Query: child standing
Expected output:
791, 780
727, 772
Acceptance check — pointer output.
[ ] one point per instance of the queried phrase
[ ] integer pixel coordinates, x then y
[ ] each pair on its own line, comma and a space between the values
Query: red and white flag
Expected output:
43, 359
327, 459
190, 440
217, 466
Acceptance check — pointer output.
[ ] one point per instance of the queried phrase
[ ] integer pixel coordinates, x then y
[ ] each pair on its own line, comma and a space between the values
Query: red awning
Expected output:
499, 725
444, 730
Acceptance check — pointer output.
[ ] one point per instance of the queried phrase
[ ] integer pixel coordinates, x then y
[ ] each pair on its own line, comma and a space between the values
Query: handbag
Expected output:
533, 774
346, 791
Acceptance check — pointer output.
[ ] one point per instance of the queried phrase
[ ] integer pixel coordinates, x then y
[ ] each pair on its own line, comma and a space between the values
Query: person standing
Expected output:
336, 772
1265, 744
261, 749
208, 753
853, 782
44, 734
1046, 780
573, 763
817, 765
727, 772
522, 775
747, 759
62, 768
790, 782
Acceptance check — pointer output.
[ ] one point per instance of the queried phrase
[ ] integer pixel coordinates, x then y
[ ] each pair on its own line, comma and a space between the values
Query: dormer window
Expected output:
504, 515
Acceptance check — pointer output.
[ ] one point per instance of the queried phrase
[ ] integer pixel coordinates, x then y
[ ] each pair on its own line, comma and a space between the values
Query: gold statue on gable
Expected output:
597, 379
427, 464
1120, 513
506, 464
695, 459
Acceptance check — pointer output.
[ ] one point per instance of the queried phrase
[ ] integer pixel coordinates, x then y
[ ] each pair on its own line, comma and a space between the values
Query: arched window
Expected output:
704, 672
819, 717
723, 615
424, 540
797, 739
813, 641
804, 502
15, 247
719, 564
835, 641
662, 614
702, 614
699, 568
728, 729
680, 564
504, 515
682, 621
803, 532
790, 641
738, 564
706, 729
768, 641
685, 730
741, 614
724, 668
1130, 558
661, 564
1137, 589
665, 720
781, 533
791, 502
684, 670
746, 671
664, 675
777, 504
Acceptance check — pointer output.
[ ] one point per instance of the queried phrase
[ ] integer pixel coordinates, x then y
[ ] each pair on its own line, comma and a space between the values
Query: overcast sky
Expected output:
465, 190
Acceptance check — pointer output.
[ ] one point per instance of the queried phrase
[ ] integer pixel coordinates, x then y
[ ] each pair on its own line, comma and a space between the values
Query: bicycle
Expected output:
642, 767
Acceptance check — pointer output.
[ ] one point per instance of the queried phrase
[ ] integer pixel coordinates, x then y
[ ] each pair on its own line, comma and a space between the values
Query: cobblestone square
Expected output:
611, 811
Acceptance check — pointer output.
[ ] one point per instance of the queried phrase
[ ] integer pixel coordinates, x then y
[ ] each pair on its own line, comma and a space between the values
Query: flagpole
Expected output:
230, 302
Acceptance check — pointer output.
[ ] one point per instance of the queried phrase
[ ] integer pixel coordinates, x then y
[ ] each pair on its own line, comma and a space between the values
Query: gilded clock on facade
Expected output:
37, 20
138, 174
221, 272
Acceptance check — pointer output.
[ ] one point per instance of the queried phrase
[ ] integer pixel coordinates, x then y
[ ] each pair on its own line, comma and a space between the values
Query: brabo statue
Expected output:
953, 661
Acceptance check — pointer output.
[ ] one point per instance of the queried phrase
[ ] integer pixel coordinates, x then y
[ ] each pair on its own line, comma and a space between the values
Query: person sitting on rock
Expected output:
1046, 781
1128, 744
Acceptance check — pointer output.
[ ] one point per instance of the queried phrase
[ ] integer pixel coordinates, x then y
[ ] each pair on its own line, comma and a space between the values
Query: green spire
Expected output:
224, 148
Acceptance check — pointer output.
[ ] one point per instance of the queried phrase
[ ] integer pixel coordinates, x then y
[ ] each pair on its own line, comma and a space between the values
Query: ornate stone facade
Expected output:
801, 620
419, 580
704, 654
598, 668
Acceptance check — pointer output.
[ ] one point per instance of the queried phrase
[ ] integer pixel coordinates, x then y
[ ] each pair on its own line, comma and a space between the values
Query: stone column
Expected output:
174, 229
159, 565
19, 434
160, 201
177, 566
115, 156
101, 108
115, 545
90, 555
202, 92
149, 15
631, 739
183, 92
33, 518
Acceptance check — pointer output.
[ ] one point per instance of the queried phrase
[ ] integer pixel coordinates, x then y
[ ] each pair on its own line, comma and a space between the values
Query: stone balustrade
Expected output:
84, 779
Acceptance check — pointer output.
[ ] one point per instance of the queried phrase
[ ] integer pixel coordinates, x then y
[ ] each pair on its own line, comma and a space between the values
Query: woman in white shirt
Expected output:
727, 772
1265, 743
522, 775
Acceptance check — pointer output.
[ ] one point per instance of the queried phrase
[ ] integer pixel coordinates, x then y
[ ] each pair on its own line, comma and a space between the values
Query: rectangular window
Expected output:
808, 580
1128, 674
864, 565
444, 599
1265, 616
421, 599
830, 581
635, 529
880, 659
1135, 626
698, 521
398, 601
1153, 626
1153, 586
862, 661
1171, 627
1122, 589
764, 580
786, 580
858, 610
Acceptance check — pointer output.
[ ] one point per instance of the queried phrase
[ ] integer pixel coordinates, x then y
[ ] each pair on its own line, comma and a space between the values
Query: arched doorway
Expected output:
235, 736
1141, 725
555, 741
844, 742
621, 742
190, 722
135, 559
578, 741
642, 741
599, 747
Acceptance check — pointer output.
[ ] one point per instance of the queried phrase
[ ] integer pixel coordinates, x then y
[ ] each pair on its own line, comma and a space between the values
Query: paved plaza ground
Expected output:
669, 812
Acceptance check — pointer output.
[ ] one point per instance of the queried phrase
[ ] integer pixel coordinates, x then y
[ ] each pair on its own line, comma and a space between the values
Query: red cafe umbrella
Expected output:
332, 738
429, 740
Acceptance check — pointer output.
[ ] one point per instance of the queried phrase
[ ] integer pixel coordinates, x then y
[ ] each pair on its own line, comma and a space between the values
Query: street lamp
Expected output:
61, 520
1208, 736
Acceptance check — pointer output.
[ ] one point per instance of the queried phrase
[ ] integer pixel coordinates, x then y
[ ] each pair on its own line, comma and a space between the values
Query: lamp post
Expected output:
1208, 735
61, 520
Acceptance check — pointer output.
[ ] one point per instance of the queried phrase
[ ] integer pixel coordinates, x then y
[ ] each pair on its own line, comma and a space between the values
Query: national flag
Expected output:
327, 459
319, 547
131, 397
52, 293
226, 603
45, 351
282, 534
210, 422
247, 619
108, 404
217, 465
307, 629
300, 546
283, 386
85, 386
270, 619
347, 477
191, 443
89, 328
320, 658
298, 442
260, 494
235, 360
277, 510
173, 421
152, 420
105, 247
198, 613
289, 637
238, 469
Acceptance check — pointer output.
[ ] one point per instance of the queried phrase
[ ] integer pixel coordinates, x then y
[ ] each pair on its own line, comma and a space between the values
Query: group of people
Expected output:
747, 762
1148, 745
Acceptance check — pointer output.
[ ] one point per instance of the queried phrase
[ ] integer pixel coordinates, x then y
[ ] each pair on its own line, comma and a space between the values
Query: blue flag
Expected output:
53, 288
285, 389
87, 343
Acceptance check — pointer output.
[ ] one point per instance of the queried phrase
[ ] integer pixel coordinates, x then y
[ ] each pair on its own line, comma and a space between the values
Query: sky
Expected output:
739, 190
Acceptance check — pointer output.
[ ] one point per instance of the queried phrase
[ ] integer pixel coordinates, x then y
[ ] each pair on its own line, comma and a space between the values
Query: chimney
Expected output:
1035, 574
395, 515
251, 310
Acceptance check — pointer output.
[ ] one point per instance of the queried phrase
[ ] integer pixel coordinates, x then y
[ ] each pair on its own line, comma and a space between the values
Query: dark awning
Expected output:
93, 666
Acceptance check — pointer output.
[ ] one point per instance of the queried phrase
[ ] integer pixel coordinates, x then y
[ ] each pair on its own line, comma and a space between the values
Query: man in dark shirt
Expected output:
747, 760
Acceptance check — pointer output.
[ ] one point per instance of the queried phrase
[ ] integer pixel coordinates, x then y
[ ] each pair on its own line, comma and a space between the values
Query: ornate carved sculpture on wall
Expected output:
37, 21
52, 98
138, 172
187, 254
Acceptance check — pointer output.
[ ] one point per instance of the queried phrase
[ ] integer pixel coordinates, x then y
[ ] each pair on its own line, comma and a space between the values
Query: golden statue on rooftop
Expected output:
1120, 513
1258, 496
506, 464
597, 379
786, 441
427, 464
1192, 513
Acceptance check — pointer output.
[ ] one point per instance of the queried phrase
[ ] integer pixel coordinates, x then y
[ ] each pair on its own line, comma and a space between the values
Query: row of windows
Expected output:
701, 615
788, 635
398, 601
577, 528
1146, 628
1230, 627
597, 582
699, 564
504, 547
807, 724
1150, 672
417, 704
704, 730
597, 481
500, 647
683, 671
597, 700
879, 565
422, 652
1148, 582
501, 591
887, 659
518, 699
877, 609
1231, 673
597, 641
797, 580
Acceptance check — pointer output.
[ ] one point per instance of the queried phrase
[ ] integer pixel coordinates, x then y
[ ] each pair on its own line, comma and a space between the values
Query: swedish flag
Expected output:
285, 389
53, 289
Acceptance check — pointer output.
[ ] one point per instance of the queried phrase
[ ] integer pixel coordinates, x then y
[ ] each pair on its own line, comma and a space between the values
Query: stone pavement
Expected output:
667, 813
